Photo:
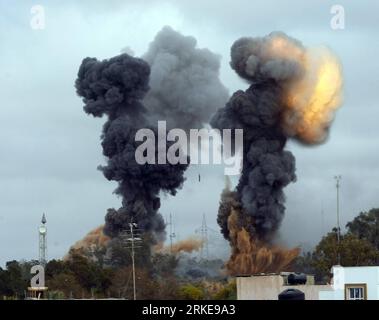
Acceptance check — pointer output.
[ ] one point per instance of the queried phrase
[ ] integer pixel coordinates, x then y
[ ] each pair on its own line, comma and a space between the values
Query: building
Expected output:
348, 283
353, 283
269, 286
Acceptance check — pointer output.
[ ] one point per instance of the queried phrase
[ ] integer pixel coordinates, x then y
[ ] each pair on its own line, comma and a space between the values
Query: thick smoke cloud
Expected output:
293, 93
267, 167
256, 59
115, 88
180, 86
185, 89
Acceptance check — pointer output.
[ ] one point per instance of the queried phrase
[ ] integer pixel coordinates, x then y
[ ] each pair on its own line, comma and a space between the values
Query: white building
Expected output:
353, 283
348, 283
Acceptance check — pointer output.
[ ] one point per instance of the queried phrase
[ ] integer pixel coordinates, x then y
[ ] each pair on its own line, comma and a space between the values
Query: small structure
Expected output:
37, 290
353, 283
37, 293
269, 286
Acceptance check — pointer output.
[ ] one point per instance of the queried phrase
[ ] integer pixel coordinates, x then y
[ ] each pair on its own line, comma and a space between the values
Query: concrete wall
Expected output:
259, 287
354, 275
268, 287
367, 275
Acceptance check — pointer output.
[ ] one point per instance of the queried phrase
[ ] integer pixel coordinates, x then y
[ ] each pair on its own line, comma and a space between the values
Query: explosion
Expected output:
251, 256
175, 81
294, 92
187, 245
97, 240
314, 98
94, 240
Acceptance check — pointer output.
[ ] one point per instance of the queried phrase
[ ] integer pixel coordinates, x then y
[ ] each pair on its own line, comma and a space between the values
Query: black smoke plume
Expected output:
291, 94
178, 83
115, 88
267, 167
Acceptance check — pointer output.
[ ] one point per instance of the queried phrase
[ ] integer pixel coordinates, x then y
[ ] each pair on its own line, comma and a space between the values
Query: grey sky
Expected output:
50, 148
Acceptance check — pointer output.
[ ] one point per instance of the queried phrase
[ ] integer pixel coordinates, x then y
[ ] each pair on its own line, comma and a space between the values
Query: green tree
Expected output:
55, 267
120, 253
67, 284
304, 264
191, 292
147, 287
227, 292
366, 226
353, 252
17, 284
5, 288
168, 288
88, 273
164, 264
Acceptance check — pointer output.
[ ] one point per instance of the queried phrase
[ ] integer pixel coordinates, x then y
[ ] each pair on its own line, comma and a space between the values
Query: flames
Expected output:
312, 99
279, 46
313, 95
252, 256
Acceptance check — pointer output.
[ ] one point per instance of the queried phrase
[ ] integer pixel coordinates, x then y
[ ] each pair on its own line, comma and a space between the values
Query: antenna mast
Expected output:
338, 179
42, 241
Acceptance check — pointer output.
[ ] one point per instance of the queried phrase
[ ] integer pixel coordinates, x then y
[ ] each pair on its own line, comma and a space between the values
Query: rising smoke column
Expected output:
293, 93
115, 88
178, 83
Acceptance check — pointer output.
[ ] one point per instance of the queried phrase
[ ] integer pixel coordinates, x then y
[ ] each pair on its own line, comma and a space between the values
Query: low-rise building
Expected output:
353, 283
269, 286
348, 283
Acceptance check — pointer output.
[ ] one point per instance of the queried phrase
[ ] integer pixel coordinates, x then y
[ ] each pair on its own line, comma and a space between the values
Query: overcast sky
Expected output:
49, 148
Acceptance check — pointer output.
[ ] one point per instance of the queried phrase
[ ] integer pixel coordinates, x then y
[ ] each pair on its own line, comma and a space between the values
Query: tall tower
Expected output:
42, 241
203, 230
172, 233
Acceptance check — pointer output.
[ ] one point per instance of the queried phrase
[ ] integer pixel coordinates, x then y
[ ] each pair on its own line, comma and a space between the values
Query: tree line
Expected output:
93, 274
358, 246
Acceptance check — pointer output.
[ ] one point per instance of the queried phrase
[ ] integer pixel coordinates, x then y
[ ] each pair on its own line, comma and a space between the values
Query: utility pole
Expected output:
132, 239
131, 225
338, 179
